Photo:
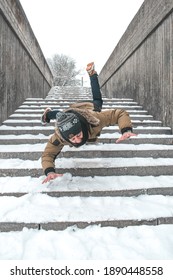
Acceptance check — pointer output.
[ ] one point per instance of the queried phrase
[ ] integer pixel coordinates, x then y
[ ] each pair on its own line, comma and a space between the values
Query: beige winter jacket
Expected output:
97, 121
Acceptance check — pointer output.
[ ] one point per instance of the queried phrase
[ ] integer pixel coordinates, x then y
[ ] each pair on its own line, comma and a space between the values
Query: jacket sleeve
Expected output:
116, 116
51, 151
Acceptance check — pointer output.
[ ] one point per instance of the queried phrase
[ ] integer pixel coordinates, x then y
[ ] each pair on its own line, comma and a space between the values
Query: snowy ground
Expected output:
93, 242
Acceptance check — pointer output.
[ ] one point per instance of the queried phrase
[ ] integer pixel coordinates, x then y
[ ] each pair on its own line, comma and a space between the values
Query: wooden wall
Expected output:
23, 69
141, 65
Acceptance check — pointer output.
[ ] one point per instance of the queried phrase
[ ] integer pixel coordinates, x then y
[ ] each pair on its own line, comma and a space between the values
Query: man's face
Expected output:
77, 138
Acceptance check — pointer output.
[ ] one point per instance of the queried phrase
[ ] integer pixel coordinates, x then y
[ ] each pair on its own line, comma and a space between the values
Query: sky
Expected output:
84, 30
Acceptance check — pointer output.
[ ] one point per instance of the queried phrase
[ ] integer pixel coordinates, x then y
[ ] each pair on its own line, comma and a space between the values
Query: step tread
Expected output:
69, 183
95, 163
90, 147
105, 208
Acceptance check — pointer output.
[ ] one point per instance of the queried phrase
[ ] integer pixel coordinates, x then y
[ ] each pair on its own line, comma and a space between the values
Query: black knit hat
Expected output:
69, 124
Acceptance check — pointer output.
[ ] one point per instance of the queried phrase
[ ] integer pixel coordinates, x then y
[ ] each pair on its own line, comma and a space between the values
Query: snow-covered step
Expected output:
91, 167
34, 151
100, 193
40, 111
13, 139
35, 107
19, 130
70, 97
19, 116
65, 102
106, 208
48, 99
68, 188
47, 130
67, 184
140, 129
106, 212
36, 122
110, 243
17, 141
77, 100
162, 139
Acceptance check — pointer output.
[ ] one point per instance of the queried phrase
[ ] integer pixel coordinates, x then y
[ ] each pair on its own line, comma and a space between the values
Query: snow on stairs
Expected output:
148, 154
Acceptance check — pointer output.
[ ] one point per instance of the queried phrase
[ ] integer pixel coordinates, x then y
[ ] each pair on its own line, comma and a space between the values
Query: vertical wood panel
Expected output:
147, 75
19, 75
141, 65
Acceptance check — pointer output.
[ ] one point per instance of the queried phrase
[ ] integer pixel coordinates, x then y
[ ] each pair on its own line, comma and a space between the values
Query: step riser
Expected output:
124, 107
56, 226
161, 141
50, 131
71, 98
34, 111
33, 123
91, 154
85, 172
113, 193
67, 103
136, 141
30, 117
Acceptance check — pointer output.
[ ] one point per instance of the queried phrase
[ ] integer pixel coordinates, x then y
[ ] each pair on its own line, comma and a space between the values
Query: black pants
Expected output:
97, 96
96, 93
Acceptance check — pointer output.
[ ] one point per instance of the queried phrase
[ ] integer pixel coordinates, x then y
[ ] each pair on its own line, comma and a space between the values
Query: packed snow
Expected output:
94, 242
91, 243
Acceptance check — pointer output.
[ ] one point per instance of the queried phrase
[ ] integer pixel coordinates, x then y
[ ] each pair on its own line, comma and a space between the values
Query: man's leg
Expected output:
95, 87
97, 96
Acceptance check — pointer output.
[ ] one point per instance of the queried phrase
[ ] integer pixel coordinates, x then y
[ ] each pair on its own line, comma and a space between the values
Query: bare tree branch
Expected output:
64, 70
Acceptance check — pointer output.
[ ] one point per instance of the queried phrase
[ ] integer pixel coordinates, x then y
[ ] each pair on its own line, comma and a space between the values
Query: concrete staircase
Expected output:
149, 154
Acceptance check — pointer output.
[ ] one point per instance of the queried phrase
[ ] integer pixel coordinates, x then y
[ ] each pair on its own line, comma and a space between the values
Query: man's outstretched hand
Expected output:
125, 136
51, 176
